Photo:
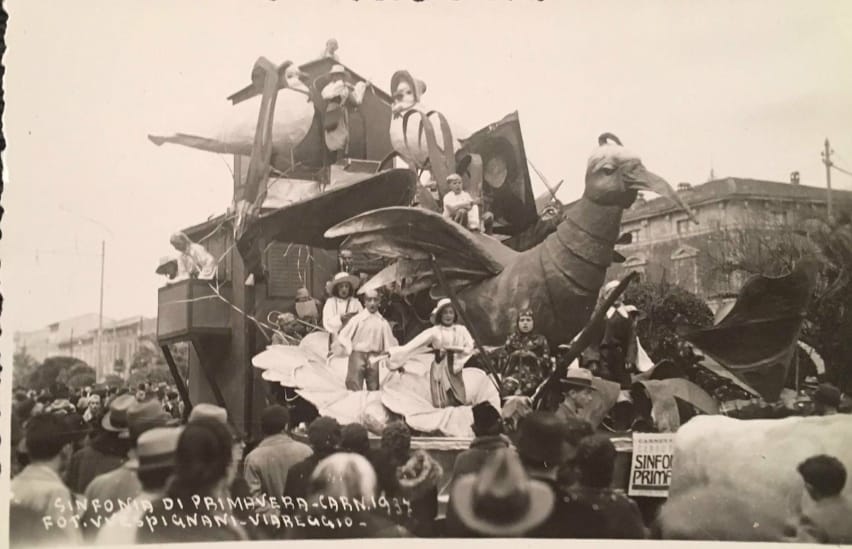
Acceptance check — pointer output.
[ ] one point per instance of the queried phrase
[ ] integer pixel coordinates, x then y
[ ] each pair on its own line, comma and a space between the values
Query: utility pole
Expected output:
826, 159
99, 368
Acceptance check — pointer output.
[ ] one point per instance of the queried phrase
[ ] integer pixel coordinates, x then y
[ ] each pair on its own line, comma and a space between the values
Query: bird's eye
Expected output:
608, 170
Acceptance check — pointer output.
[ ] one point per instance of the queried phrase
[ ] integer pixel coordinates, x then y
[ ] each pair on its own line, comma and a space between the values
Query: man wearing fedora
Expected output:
488, 429
578, 389
123, 483
105, 452
500, 501
342, 304
155, 457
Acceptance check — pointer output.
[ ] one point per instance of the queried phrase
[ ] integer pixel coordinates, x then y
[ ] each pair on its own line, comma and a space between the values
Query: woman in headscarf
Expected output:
527, 357
452, 346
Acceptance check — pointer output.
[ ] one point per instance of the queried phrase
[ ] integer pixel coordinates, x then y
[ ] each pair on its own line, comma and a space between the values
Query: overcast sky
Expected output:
749, 89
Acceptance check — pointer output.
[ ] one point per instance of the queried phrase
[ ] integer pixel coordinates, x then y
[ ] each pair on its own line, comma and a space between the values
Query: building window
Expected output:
780, 217
682, 226
634, 235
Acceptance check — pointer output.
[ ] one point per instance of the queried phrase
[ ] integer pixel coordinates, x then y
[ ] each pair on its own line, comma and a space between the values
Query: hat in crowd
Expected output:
60, 406
143, 416
156, 448
417, 86
486, 418
825, 473
324, 433
435, 316
542, 439
115, 420
501, 500
828, 395
210, 411
454, 177
340, 278
578, 378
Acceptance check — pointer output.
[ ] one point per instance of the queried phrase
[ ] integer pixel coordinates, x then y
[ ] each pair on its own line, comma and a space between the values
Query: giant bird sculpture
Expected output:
558, 279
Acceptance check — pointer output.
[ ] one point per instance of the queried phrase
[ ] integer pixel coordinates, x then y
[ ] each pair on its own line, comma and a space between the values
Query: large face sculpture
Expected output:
403, 97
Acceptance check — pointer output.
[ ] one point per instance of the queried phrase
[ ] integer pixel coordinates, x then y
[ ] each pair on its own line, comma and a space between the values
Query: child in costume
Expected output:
452, 346
366, 336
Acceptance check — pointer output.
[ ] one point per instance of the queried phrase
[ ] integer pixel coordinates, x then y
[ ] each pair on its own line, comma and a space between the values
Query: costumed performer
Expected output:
341, 305
302, 318
194, 261
528, 357
452, 346
340, 95
366, 336
617, 344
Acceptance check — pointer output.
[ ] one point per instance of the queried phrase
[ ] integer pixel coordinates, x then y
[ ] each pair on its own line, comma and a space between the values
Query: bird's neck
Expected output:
602, 222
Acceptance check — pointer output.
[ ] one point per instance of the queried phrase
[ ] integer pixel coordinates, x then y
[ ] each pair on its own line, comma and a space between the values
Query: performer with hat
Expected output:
452, 346
366, 336
342, 305
339, 95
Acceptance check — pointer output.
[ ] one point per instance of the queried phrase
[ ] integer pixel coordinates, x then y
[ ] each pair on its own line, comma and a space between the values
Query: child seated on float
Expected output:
459, 205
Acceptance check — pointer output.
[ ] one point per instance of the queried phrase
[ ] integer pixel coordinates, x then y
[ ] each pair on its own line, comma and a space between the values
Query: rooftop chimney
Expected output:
683, 187
794, 178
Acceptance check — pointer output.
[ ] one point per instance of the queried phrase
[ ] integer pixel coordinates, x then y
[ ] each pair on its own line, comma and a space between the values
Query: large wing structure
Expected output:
414, 236
306, 221
755, 340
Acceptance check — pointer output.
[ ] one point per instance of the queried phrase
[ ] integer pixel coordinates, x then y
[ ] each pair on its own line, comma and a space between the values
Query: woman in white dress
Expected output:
452, 346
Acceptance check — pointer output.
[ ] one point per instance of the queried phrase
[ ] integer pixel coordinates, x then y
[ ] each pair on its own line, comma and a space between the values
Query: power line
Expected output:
841, 170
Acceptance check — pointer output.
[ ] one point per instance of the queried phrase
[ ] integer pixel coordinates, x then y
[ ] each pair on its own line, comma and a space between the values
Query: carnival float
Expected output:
337, 164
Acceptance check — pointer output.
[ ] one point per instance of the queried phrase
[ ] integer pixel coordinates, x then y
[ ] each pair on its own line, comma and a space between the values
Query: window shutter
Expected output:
284, 270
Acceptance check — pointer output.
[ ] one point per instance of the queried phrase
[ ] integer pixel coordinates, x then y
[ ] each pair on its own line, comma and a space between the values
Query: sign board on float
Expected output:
651, 464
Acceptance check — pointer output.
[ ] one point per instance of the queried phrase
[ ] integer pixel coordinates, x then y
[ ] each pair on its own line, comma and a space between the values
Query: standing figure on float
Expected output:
452, 346
341, 305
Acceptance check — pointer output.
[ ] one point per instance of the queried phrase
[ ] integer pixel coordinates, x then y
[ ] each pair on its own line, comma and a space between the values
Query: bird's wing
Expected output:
305, 221
414, 236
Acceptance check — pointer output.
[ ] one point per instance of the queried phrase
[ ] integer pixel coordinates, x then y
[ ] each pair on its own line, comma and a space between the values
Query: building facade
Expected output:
78, 338
45, 342
740, 221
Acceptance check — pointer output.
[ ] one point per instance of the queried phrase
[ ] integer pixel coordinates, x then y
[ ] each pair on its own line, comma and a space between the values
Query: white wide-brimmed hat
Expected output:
444, 302
340, 278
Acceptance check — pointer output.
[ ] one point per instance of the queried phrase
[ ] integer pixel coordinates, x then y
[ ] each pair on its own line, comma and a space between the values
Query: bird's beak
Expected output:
640, 179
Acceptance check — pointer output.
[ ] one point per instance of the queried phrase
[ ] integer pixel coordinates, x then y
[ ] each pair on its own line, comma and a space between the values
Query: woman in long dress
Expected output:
452, 346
